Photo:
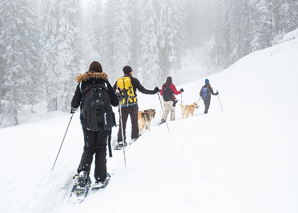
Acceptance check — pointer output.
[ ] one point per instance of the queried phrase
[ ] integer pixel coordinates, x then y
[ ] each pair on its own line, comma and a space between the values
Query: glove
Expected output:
174, 102
119, 96
73, 110
217, 92
181, 90
118, 90
156, 89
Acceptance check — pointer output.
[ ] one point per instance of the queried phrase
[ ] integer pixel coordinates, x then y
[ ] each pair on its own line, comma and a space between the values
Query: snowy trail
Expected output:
242, 159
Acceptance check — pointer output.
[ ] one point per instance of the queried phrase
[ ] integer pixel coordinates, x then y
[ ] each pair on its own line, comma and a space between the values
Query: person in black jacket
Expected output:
205, 93
95, 141
131, 108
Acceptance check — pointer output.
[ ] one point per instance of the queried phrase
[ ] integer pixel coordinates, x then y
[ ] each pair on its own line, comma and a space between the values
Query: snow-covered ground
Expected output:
241, 159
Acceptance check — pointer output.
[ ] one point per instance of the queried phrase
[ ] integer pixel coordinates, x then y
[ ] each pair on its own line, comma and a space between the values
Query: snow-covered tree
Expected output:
61, 59
222, 47
245, 26
117, 37
292, 10
93, 33
150, 52
135, 20
2, 62
171, 36
19, 41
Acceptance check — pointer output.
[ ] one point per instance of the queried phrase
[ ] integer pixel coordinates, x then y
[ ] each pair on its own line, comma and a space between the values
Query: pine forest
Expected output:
45, 44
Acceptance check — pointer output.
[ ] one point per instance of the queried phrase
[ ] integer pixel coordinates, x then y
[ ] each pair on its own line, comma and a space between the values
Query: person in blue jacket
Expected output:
205, 93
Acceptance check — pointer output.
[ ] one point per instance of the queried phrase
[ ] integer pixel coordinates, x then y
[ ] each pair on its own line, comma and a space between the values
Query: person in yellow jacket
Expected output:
128, 86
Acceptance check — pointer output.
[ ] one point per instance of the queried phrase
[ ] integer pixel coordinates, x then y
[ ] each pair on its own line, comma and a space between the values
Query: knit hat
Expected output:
127, 69
206, 81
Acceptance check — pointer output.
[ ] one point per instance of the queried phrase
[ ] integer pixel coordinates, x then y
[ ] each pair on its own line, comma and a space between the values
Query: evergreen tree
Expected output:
117, 36
93, 33
222, 47
19, 54
61, 60
2, 62
150, 52
240, 30
171, 37
291, 6
135, 20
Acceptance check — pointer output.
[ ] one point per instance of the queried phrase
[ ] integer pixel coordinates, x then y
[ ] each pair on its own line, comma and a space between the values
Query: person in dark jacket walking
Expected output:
205, 93
169, 99
95, 141
128, 86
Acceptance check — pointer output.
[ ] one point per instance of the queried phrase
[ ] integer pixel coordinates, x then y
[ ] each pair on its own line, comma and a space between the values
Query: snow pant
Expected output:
207, 101
168, 107
95, 143
133, 112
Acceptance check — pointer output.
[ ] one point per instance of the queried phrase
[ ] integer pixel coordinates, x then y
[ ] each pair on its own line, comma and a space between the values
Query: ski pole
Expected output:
220, 102
62, 141
122, 132
181, 107
163, 111
199, 100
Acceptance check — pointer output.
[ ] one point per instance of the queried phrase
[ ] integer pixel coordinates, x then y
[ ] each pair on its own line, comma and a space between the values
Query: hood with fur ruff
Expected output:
91, 75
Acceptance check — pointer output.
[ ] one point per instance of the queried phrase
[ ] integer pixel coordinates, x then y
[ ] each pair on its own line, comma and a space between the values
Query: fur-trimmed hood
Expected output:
91, 75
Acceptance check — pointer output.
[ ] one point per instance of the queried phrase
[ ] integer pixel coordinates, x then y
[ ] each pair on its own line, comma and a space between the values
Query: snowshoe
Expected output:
101, 184
79, 191
119, 146
132, 141
162, 122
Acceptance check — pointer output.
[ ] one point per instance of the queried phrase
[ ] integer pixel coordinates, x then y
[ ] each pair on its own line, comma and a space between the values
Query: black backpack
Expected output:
96, 110
167, 93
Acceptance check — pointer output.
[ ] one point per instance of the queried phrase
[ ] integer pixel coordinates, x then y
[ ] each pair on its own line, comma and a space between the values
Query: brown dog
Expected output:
144, 119
189, 109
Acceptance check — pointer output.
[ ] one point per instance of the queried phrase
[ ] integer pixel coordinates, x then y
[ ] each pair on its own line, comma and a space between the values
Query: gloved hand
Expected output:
175, 102
118, 90
73, 110
119, 96
217, 92
182, 90
156, 89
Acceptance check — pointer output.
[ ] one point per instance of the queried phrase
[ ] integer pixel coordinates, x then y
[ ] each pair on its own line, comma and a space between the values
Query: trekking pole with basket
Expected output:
122, 132
163, 110
62, 141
